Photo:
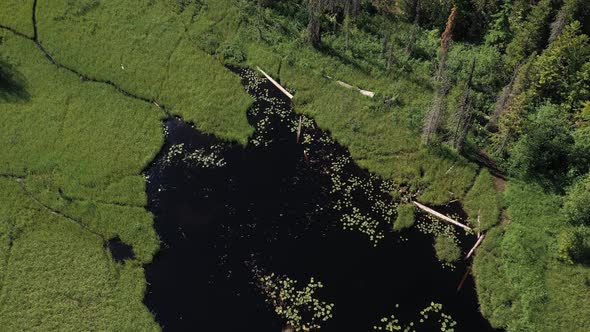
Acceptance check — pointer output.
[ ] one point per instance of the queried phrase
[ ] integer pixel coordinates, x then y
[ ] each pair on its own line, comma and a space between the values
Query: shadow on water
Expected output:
12, 84
221, 208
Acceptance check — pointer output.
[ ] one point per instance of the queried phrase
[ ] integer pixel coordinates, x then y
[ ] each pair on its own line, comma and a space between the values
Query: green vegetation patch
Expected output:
78, 148
519, 278
381, 133
447, 250
148, 49
482, 202
54, 275
17, 14
405, 217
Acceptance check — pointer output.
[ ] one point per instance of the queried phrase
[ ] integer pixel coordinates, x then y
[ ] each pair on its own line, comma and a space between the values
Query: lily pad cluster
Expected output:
210, 157
432, 318
362, 199
299, 307
448, 243
372, 189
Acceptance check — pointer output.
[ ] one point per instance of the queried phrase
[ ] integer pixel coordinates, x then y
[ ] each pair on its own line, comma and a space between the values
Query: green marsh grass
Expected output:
521, 283
405, 217
17, 14
56, 276
483, 201
80, 148
148, 49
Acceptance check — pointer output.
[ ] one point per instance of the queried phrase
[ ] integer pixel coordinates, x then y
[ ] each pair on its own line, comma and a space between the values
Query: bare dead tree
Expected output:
503, 101
260, 17
464, 113
563, 18
385, 44
557, 25
434, 117
347, 21
415, 27
351, 9
389, 57
314, 9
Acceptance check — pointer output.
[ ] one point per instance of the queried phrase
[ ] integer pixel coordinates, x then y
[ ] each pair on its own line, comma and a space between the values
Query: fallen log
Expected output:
440, 215
479, 239
299, 128
365, 93
463, 279
283, 90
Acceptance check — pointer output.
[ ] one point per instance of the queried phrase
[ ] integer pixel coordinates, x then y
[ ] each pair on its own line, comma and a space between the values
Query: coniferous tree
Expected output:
530, 35
561, 70
503, 101
500, 33
564, 17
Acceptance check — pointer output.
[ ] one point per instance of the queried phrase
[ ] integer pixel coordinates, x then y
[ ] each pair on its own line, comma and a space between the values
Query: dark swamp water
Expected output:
222, 211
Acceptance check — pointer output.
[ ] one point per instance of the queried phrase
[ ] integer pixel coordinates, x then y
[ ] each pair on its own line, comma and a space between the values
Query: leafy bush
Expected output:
405, 217
231, 54
574, 245
483, 201
207, 41
447, 251
577, 203
544, 151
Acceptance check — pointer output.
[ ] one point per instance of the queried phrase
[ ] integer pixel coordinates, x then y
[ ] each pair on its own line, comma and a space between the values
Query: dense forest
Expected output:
483, 102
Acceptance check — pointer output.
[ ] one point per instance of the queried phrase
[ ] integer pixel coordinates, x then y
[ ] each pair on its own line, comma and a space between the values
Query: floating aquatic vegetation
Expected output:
374, 190
363, 223
432, 314
436, 228
211, 157
173, 152
363, 199
301, 310
206, 159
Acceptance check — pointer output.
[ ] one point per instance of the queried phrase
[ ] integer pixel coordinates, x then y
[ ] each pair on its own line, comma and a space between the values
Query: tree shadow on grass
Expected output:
12, 84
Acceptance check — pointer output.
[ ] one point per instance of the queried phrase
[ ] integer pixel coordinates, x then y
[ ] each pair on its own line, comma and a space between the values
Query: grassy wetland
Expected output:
151, 179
